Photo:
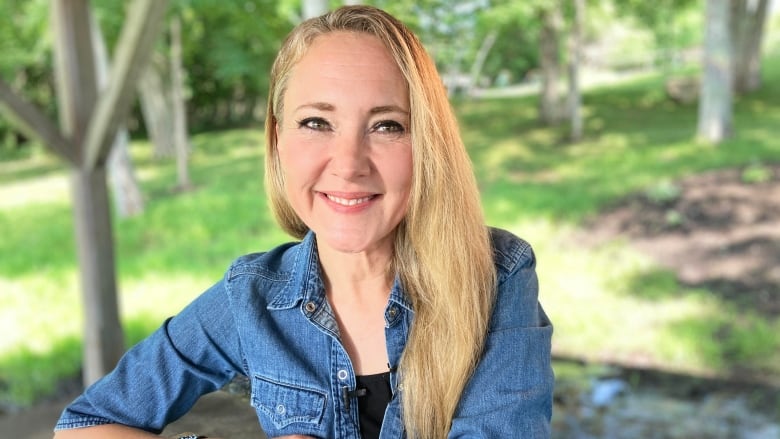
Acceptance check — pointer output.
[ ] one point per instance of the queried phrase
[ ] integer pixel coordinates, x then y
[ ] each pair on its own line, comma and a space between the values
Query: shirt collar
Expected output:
305, 284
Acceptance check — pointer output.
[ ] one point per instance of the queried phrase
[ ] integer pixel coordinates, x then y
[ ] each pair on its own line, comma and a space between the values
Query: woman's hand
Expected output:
294, 436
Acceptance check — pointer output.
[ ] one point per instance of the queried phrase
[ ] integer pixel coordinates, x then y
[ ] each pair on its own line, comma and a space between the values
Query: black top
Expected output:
372, 405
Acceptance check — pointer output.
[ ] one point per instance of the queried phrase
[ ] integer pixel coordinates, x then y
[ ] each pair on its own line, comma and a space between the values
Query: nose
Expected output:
349, 157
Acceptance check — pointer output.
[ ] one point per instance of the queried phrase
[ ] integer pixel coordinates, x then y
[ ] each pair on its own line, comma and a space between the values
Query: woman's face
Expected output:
344, 142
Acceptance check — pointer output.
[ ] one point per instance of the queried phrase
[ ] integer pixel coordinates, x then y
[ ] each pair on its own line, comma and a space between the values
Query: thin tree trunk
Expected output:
715, 105
575, 58
549, 99
747, 23
179, 112
157, 110
128, 199
479, 59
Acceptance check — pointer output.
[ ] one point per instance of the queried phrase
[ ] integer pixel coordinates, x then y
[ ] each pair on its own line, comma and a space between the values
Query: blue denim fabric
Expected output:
268, 319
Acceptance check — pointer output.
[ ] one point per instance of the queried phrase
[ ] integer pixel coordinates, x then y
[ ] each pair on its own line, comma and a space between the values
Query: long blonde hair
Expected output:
442, 253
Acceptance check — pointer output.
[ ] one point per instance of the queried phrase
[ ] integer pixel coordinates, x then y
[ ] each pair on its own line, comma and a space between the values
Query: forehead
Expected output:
347, 46
350, 57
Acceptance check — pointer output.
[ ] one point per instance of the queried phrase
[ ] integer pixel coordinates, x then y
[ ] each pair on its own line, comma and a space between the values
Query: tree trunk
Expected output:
157, 110
549, 51
127, 194
479, 59
128, 200
179, 112
747, 23
575, 58
715, 105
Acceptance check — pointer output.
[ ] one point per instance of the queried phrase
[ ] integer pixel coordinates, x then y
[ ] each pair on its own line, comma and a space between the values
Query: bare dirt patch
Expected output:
718, 230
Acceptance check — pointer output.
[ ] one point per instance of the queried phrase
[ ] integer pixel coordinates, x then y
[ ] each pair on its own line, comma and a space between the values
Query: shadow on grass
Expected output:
742, 349
734, 341
23, 170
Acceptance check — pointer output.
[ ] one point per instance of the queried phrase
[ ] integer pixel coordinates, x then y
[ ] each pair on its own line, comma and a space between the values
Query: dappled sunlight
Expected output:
231, 143
37, 240
157, 295
494, 159
51, 188
36, 309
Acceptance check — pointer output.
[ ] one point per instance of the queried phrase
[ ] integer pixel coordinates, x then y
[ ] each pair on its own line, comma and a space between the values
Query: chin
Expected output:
353, 243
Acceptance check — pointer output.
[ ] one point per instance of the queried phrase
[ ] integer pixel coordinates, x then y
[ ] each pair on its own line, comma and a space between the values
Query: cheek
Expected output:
400, 170
299, 164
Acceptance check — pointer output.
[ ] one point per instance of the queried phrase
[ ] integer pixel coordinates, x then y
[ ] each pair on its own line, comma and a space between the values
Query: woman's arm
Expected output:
106, 431
161, 378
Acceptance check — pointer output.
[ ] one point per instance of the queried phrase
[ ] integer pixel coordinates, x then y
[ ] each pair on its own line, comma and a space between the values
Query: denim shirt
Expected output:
269, 320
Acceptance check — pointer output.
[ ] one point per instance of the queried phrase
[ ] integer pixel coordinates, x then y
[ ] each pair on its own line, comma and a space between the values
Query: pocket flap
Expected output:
287, 404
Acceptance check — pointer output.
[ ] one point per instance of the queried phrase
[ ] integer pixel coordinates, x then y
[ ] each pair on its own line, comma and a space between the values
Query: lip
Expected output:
349, 202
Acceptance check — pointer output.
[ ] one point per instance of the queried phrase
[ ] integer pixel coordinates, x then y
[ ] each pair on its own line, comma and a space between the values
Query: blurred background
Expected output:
635, 144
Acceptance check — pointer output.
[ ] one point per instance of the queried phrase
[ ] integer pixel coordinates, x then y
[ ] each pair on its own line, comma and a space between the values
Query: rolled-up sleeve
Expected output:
160, 379
510, 392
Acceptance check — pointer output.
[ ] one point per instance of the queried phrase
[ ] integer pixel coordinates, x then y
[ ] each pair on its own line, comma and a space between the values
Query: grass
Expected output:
608, 304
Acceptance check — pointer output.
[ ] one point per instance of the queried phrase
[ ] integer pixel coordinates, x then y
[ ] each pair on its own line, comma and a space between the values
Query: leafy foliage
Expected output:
26, 59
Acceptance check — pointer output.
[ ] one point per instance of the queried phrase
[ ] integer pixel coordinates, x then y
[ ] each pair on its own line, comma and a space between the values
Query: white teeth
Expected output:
348, 201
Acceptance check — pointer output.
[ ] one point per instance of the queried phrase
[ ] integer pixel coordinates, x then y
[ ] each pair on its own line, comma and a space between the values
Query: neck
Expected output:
355, 274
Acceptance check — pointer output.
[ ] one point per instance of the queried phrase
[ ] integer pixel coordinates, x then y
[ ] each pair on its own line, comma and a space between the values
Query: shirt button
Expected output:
342, 374
393, 311
280, 409
310, 306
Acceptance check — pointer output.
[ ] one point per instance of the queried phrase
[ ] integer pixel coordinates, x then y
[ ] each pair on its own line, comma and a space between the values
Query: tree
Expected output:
25, 61
748, 19
550, 102
481, 56
575, 57
156, 107
180, 137
715, 104
515, 53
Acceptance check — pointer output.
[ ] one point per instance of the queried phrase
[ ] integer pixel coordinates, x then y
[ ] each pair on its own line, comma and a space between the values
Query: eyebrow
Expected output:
389, 109
324, 106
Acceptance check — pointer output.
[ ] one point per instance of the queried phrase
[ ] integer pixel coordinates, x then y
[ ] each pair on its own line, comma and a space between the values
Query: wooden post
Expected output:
34, 123
103, 336
89, 121
77, 94
139, 32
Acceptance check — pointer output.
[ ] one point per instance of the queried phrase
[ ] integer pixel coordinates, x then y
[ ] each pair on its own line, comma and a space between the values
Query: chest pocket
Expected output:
286, 405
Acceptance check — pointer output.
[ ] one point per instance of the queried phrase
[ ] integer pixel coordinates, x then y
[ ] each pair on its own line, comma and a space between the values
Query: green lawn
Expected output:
608, 303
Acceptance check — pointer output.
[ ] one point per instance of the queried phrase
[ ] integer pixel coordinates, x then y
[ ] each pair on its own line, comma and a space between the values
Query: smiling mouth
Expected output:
349, 201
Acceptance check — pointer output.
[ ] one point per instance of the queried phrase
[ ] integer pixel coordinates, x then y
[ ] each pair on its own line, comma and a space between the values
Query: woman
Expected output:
399, 314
